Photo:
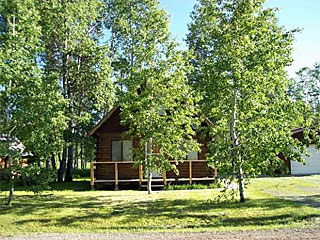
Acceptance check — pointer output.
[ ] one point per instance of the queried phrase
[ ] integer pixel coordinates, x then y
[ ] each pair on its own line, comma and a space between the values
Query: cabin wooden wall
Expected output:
112, 130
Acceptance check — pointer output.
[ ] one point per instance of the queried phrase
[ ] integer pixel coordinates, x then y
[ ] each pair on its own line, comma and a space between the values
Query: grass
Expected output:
72, 208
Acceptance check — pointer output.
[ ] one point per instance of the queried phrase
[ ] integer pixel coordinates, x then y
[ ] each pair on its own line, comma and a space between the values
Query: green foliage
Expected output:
30, 107
304, 90
5, 174
306, 86
81, 173
35, 178
76, 61
157, 104
240, 55
193, 186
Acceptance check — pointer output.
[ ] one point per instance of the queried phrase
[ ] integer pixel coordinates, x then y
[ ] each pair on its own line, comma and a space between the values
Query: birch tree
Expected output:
240, 55
157, 104
29, 108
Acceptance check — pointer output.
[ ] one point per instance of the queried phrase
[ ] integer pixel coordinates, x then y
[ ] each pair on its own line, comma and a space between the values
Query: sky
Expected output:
303, 14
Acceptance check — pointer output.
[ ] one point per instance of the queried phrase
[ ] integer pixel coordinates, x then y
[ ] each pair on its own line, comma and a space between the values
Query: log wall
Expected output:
112, 130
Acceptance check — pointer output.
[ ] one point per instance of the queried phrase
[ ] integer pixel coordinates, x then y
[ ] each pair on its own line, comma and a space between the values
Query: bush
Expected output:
193, 186
81, 173
35, 178
4, 174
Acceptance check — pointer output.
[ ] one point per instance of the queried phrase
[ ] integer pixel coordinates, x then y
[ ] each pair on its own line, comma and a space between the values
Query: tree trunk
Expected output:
53, 161
62, 166
48, 161
148, 153
76, 159
8, 115
235, 143
6, 163
82, 157
68, 177
149, 181
241, 185
38, 162
11, 184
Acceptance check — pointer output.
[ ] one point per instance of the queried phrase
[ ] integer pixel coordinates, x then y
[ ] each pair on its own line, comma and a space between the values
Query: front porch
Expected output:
115, 172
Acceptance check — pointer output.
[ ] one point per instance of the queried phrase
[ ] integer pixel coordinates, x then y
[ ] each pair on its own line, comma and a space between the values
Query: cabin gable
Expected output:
112, 124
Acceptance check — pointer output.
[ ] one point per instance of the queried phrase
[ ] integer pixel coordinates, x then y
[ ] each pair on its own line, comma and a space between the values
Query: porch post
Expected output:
140, 176
116, 187
92, 175
190, 171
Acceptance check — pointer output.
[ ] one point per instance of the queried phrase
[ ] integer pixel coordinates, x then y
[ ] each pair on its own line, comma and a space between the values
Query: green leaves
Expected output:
240, 55
151, 74
77, 63
54, 73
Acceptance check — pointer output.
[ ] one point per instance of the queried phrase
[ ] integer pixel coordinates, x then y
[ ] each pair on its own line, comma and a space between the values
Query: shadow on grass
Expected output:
310, 201
72, 186
126, 215
76, 185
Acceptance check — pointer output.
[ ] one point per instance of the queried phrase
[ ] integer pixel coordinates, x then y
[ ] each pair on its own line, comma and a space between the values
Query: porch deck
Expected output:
126, 172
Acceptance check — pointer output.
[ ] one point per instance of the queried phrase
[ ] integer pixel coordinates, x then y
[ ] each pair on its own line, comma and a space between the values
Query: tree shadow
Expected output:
193, 213
308, 200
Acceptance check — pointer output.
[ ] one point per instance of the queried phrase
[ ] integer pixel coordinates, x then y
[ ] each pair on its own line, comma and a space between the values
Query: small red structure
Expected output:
114, 163
4, 163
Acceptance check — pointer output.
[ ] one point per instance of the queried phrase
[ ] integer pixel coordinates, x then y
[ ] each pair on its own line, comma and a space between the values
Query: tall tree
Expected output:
240, 55
157, 104
305, 90
78, 62
27, 105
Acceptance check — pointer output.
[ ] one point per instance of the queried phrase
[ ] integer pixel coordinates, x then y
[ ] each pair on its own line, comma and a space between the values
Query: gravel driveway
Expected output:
278, 234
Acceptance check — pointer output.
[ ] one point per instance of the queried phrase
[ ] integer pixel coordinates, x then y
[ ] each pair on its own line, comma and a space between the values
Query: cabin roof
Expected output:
297, 130
103, 120
302, 129
112, 111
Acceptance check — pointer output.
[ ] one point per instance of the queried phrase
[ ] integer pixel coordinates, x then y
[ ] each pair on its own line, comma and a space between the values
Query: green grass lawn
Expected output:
269, 205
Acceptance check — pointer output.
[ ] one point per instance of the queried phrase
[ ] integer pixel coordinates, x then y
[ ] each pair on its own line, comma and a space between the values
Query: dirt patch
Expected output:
278, 234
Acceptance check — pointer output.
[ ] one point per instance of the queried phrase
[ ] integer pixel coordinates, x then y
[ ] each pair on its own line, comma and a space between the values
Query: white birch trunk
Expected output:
149, 169
10, 198
235, 144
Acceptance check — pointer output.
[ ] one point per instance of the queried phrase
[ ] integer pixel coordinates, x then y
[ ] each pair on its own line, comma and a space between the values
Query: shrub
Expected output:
81, 173
193, 186
35, 178
4, 174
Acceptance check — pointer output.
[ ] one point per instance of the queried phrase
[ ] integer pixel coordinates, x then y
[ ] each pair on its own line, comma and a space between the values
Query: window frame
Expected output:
192, 159
121, 150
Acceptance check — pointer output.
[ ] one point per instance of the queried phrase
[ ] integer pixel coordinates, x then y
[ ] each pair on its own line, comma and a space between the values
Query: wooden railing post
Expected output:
190, 171
92, 175
140, 175
164, 175
116, 180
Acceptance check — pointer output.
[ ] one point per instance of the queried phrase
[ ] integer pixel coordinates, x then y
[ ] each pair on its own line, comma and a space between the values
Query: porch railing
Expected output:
140, 179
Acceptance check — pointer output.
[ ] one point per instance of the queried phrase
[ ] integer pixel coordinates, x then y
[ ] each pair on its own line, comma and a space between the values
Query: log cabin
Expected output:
114, 163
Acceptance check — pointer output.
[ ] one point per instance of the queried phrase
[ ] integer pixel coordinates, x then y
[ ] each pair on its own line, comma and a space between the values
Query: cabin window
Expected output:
192, 156
121, 150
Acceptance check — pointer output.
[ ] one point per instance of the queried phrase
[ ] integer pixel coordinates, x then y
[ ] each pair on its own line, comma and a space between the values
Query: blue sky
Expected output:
304, 14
